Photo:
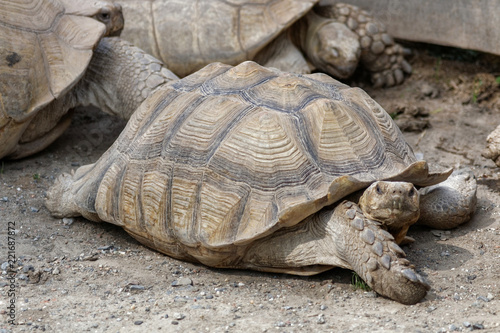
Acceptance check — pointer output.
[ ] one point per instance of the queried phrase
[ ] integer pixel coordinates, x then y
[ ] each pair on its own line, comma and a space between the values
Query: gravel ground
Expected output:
72, 274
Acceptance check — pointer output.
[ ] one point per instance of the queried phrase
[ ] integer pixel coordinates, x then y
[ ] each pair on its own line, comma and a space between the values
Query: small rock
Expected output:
34, 209
184, 299
184, 281
56, 271
482, 298
209, 297
175, 322
136, 287
280, 324
138, 322
371, 294
445, 254
453, 327
105, 248
75, 164
430, 309
478, 326
179, 316
28, 268
5, 199
323, 307
437, 233
490, 296
4, 266
321, 319
466, 324
68, 221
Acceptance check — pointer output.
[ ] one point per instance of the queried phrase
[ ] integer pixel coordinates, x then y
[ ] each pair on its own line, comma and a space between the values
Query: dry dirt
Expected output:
82, 276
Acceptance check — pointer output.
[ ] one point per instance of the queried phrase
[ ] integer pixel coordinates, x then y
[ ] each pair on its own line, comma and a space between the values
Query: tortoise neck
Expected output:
119, 78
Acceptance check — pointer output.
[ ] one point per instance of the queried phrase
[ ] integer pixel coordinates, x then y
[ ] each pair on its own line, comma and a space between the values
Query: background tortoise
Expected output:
46, 47
239, 166
287, 34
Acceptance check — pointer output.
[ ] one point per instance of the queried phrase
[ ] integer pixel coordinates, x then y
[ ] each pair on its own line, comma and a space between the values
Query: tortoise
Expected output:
250, 167
48, 66
292, 35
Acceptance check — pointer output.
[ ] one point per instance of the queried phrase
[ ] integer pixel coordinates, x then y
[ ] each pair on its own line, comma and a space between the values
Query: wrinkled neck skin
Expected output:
119, 78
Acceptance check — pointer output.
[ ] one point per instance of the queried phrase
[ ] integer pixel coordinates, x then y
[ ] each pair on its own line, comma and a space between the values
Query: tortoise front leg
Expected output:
342, 237
379, 53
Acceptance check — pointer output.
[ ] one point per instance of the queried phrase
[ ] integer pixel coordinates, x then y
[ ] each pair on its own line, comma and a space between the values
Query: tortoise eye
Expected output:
378, 189
104, 16
411, 193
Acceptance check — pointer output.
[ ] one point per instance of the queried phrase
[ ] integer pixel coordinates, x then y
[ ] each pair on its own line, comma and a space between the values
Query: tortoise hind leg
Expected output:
342, 237
450, 203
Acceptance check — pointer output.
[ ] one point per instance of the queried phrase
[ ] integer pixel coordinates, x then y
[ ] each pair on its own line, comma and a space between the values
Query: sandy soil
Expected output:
82, 276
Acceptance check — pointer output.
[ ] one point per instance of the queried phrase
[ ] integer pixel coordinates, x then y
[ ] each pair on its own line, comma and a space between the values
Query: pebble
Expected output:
445, 254
175, 322
68, 221
28, 268
431, 308
321, 319
136, 287
4, 266
56, 271
105, 248
179, 316
482, 298
182, 282
280, 324
5, 199
34, 209
138, 322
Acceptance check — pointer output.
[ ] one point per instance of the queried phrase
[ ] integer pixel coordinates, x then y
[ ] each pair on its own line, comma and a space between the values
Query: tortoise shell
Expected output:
45, 49
228, 155
187, 35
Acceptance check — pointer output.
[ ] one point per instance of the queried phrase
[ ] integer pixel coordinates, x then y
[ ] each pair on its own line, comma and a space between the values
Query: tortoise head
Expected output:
395, 204
111, 15
333, 48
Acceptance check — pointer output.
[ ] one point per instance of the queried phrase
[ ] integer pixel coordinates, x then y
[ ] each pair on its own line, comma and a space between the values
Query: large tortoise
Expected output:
247, 166
292, 35
48, 66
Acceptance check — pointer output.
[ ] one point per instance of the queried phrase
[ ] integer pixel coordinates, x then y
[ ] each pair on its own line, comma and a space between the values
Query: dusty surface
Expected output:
93, 277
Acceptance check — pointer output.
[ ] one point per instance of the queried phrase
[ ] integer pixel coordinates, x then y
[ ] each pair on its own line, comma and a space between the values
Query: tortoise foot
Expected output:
376, 258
